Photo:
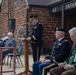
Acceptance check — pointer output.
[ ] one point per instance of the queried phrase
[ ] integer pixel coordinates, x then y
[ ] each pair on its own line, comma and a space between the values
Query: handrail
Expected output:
14, 51
7, 48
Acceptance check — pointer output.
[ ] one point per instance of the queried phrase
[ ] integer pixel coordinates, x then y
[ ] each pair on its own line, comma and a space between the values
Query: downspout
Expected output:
8, 14
27, 23
63, 17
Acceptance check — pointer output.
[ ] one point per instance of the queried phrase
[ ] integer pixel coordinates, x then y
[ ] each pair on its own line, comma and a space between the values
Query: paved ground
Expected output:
19, 68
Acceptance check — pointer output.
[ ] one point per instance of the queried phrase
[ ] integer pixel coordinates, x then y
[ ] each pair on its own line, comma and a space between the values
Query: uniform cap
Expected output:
59, 29
32, 17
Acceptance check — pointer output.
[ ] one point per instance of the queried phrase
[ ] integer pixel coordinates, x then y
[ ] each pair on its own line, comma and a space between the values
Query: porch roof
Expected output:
44, 2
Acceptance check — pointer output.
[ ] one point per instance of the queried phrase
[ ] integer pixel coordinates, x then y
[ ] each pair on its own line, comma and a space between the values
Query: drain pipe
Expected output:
63, 18
27, 23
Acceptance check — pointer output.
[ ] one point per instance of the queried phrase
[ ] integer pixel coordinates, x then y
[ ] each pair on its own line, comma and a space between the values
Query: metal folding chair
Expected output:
18, 54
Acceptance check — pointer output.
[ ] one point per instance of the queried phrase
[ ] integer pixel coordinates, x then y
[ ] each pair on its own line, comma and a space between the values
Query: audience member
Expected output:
9, 43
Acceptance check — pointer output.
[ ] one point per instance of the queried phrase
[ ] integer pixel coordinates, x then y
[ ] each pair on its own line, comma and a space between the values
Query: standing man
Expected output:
36, 37
59, 53
68, 68
9, 43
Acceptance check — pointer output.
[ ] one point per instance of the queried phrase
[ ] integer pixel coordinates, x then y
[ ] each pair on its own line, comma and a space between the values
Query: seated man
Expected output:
9, 43
68, 68
59, 53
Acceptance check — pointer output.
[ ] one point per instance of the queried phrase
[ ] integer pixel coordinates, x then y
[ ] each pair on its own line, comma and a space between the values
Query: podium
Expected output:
26, 57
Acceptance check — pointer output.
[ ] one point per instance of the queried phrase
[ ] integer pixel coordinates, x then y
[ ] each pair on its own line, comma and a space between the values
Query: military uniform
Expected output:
60, 52
36, 38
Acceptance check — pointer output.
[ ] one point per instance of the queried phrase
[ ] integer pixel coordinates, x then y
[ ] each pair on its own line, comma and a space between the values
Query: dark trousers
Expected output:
40, 68
36, 52
5, 52
62, 71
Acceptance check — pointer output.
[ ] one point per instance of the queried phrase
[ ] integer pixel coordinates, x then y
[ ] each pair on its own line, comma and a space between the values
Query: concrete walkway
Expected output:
19, 68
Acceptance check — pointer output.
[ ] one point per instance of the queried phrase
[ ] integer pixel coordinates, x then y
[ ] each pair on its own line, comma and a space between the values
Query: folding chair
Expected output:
18, 54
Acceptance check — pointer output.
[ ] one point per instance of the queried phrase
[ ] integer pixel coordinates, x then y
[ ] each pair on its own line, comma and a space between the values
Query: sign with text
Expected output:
68, 5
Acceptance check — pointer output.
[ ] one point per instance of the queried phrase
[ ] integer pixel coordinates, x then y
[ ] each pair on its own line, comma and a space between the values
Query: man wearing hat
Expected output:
69, 66
59, 53
36, 37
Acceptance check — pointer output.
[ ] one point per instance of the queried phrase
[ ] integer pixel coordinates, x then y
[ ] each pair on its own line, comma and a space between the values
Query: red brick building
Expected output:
51, 13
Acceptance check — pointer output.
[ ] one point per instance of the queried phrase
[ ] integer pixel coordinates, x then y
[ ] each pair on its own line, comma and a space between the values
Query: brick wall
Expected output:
0, 24
17, 10
12, 9
4, 17
49, 22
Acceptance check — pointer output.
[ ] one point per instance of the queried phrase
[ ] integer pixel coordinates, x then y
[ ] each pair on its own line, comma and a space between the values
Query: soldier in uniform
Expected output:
36, 37
68, 67
59, 53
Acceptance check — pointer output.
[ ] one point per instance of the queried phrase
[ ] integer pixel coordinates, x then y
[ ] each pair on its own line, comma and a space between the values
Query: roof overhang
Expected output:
67, 5
45, 3
57, 2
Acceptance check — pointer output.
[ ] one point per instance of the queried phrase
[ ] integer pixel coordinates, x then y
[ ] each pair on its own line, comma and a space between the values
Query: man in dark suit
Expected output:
59, 53
36, 37
9, 43
69, 66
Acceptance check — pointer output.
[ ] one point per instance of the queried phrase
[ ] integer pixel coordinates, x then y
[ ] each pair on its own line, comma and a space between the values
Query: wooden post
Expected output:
26, 57
0, 62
